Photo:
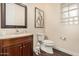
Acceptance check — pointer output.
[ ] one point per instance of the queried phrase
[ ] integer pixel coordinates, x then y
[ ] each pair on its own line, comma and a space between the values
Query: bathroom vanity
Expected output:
16, 45
14, 15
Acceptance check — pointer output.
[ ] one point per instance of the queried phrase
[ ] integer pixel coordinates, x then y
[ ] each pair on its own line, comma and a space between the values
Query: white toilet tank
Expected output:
40, 36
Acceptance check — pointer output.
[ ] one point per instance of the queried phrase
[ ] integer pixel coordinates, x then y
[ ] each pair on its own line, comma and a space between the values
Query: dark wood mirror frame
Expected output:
3, 16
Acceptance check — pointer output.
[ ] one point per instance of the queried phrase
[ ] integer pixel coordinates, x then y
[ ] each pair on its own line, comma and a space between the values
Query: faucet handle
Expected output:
17, 30
25, 31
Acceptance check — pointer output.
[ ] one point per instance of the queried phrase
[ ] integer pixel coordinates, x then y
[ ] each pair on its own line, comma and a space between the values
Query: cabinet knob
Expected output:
23, 46
20, 47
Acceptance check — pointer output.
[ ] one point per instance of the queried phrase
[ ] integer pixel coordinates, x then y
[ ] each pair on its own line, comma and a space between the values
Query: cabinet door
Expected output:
27, 49
31, 48
1, 51
15, 50
1, 48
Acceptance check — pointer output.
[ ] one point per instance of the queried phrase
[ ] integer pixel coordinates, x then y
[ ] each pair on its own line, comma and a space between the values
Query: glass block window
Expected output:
70, 13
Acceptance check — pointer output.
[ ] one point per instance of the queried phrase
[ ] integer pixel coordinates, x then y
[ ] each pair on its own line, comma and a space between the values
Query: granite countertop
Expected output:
15, 35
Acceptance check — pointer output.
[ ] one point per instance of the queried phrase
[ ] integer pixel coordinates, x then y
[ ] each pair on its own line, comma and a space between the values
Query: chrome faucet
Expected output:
25, 31
17, 30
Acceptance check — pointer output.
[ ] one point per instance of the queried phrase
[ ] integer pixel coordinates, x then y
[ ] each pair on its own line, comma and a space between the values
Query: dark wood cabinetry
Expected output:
21, 46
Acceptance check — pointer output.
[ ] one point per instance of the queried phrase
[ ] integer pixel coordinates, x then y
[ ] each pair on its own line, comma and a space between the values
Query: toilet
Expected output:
45, 44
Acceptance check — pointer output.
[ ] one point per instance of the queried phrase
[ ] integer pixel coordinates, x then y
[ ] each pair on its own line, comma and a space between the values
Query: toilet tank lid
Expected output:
48, 41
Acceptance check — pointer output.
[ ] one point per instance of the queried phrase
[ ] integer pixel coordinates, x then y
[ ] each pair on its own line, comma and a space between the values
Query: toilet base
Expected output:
47, 49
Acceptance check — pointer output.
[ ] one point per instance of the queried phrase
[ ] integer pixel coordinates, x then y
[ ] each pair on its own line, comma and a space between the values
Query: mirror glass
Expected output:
14, 15
0, 15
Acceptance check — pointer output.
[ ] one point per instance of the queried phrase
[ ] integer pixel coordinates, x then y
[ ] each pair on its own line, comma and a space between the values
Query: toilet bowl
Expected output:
45, 45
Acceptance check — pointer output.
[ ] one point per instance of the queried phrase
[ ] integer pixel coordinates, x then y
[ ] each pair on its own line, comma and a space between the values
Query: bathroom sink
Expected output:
14, 35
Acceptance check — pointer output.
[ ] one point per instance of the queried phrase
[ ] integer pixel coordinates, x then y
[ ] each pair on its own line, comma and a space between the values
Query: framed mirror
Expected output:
13, 15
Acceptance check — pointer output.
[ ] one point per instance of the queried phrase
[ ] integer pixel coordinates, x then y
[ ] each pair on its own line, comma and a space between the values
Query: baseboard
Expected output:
67, 51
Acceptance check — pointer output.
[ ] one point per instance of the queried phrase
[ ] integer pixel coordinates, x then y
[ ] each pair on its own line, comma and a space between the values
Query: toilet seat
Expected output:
48, 42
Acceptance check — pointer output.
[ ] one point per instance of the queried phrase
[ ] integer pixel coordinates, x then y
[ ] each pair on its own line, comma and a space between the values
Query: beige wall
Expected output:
56, 30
